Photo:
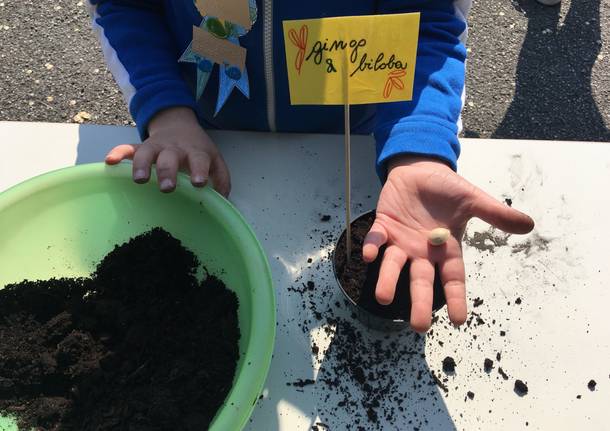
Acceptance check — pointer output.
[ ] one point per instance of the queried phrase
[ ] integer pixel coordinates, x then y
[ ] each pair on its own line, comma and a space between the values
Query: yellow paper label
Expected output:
369, 59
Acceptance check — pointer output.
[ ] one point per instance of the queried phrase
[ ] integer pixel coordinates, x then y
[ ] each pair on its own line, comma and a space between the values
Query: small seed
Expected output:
438, 236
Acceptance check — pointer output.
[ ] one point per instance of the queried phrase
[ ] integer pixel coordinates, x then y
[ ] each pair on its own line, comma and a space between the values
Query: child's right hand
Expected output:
421, 194
176, 141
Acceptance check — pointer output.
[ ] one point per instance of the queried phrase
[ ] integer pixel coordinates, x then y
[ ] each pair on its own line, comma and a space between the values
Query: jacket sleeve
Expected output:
142, 56
429, 124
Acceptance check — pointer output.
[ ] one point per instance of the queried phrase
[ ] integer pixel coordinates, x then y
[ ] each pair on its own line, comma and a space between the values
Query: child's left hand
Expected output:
419, 195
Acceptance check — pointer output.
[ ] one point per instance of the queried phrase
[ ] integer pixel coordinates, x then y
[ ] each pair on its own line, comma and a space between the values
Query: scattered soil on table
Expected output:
359, 279
489, 240
502, 373
591, 385
449, 365
488, 365
300, 383
477, 302
520, 388
533, 243
364, 379
141, 345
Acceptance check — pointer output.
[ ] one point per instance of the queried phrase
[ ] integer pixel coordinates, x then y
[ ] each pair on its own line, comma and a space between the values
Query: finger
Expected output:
452, 247
199, 167
167, 169
499, 215
219, 172
391, 265
143, 159
422, 293
375, 238
453, 277
121, 152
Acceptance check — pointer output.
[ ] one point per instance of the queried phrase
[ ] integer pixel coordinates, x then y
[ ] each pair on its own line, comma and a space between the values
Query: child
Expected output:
417, 141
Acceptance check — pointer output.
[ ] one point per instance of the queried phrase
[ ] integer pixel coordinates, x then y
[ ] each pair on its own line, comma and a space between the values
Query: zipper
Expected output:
268, 58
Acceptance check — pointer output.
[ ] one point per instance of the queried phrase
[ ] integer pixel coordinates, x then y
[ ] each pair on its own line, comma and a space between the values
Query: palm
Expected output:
415, 199
415, 204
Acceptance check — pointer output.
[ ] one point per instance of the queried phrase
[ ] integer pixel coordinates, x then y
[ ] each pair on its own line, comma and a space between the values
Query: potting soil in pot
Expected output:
353, 277
140, 345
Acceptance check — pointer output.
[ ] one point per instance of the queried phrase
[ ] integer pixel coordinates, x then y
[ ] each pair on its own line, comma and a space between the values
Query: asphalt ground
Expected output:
533, 72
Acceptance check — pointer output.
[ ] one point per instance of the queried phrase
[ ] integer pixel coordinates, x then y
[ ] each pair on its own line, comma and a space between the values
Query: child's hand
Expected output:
420, 195
176, 141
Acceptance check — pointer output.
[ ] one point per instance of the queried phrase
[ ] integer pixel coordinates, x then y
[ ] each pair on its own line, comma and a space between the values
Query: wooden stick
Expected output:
348, 176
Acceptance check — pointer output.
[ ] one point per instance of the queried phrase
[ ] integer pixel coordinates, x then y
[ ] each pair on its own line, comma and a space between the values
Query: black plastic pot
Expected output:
392, 317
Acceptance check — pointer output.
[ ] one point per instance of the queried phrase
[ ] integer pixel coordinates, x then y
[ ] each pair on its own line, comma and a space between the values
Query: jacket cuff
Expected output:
156, 97
420, 139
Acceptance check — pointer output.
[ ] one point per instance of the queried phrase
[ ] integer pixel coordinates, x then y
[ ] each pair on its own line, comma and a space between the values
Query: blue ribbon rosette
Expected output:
230, 77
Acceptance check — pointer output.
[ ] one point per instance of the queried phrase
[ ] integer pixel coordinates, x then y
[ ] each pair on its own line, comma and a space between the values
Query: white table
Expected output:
556, 340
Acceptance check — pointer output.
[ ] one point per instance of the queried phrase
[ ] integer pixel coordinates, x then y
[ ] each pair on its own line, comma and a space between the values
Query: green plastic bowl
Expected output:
62, 223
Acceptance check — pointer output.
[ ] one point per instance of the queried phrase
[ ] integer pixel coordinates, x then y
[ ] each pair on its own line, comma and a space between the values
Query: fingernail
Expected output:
139, 175
199, 180
167, 184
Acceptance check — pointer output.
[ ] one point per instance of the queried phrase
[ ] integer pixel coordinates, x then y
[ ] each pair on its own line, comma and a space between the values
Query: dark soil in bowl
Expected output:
140, 345
359, 279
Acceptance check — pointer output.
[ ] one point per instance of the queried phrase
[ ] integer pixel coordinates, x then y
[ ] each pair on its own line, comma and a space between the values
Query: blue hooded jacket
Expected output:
142, 41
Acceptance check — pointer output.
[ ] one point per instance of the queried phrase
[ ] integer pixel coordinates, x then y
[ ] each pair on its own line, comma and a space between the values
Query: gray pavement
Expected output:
539, 72
533, 71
